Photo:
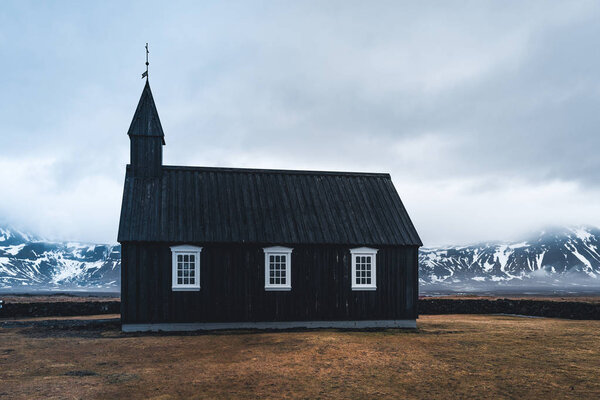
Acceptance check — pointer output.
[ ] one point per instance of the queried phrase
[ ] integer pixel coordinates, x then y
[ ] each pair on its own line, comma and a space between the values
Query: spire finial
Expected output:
145, 74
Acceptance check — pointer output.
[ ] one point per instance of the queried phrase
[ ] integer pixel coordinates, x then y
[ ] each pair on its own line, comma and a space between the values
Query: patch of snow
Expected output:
13, 250
4, 262
502, 257
69, 269
588, 265
518, 245
487, 266
539, 258
4, 235
582, 234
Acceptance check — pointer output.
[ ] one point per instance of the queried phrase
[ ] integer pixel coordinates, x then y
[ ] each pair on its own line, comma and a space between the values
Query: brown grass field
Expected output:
450, 356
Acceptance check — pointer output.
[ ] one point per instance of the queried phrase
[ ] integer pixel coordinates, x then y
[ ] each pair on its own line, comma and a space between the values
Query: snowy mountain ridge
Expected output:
28, 263
560, 255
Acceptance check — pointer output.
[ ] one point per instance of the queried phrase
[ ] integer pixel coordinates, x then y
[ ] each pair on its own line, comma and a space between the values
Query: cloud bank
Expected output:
484, 113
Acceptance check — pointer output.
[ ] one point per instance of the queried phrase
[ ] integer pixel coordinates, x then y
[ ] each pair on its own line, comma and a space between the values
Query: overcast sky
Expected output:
487, 115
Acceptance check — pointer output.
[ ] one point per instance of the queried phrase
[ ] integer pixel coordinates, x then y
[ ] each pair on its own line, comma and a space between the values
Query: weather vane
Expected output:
145, 74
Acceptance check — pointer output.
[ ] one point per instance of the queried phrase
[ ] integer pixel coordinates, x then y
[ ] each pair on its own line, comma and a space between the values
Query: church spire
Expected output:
146, 136
145, 120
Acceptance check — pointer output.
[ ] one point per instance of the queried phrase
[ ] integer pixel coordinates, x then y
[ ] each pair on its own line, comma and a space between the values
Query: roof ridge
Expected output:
276, 171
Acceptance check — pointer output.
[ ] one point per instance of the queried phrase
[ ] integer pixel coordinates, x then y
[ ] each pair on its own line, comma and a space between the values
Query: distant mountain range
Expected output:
560, 257
554, 258
28, 263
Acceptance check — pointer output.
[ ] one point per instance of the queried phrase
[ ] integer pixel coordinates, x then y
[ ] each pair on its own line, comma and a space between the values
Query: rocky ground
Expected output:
56, 298
562, 298
574, 307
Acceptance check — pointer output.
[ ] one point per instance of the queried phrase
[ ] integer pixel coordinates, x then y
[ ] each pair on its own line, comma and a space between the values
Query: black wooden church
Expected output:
221, 248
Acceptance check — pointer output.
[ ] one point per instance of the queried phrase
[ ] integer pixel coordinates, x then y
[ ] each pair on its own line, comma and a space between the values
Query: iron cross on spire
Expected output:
145, 74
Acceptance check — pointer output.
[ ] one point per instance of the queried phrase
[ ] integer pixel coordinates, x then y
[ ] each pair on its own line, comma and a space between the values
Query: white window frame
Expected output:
278, 251
364, 251
185, 250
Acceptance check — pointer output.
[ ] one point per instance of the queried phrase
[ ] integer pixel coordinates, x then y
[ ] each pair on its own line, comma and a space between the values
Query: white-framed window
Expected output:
278, 268
186, 267
364, 268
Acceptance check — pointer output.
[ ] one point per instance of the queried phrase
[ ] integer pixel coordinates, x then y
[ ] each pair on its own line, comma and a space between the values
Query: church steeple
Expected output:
146, 136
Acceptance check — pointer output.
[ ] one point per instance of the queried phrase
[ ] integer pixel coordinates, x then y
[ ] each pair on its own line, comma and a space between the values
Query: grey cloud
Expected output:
460, 103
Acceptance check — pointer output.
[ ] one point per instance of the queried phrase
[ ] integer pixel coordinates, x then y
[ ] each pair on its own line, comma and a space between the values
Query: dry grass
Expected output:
450, 356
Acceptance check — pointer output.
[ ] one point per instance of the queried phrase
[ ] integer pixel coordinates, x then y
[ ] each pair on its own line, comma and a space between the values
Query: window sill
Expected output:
185, 289
278, 288
368, 288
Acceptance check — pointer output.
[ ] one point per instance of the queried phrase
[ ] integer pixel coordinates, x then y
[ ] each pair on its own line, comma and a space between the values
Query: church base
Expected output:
211, 326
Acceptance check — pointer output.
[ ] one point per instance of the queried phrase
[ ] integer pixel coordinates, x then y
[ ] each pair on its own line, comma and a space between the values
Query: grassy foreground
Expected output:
450, 356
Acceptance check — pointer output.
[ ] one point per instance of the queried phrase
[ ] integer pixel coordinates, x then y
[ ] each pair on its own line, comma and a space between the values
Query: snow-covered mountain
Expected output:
28, 263
562, 256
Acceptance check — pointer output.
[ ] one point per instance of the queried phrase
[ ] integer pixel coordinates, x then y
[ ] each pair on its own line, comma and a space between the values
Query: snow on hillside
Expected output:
28, 263
566, 255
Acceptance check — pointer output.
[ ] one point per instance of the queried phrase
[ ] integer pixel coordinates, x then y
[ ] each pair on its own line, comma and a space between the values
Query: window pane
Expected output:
192, 257
192, 280
179, 281
271, 259
192, 273
179, 257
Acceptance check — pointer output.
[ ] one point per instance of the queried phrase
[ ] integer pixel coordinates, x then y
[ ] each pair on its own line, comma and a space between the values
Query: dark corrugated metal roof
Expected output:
145, 120
198, 204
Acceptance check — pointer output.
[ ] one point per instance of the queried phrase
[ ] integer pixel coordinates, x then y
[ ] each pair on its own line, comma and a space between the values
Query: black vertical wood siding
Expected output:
232, 286
146, 156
